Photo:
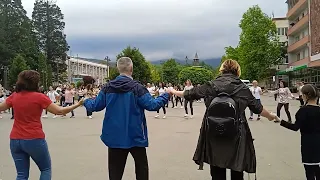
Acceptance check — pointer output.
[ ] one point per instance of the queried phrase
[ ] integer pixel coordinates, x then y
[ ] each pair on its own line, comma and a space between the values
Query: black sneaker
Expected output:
250, 118
258, 119
72, 117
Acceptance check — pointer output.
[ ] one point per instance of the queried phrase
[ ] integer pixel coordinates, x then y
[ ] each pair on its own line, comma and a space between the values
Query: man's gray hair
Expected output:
124, 65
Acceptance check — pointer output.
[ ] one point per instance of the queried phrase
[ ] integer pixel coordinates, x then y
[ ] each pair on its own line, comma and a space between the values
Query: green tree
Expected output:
16, 35
259, 46
43, 70
197, 75
231, 53
206, 66
141, 70
155, 75
113, 73
48, 26
18, 65
170, 71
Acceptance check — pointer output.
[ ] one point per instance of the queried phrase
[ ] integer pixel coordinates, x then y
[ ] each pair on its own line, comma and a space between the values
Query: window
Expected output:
279, 31
298, 56
286, 31
283, 31
303, 54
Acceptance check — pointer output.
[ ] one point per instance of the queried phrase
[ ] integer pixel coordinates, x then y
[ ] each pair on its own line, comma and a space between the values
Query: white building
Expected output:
282, 25
79, 67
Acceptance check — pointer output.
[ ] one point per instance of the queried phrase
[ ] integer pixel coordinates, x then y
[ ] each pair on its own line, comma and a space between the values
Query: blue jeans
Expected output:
37, 149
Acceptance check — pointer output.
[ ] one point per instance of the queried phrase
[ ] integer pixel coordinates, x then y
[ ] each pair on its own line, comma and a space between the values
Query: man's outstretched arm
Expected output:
97, 104
149, 103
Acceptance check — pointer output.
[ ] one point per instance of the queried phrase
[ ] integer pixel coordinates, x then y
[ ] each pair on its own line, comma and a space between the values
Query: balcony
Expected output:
300, 62
299, 25
297, 9
299, 44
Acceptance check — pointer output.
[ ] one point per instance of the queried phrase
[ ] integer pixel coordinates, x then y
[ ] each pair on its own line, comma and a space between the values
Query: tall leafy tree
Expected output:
141, 70
43, 70
259, 46
170, 71
16, 35
155, 75
18, 64
48, 25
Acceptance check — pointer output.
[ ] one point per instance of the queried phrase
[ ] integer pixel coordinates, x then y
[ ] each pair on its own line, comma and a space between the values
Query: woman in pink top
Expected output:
69, 94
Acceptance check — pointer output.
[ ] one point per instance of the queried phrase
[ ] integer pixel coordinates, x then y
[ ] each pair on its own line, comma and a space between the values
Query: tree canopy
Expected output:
141, 69
197, 75
259, 46
18, 65
170, 71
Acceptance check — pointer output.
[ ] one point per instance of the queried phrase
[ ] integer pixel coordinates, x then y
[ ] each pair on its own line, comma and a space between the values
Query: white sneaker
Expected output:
181, 107
90, 117
156, 116
55, 116
191, 116
44, 116
0, 117
164, 117
175, 107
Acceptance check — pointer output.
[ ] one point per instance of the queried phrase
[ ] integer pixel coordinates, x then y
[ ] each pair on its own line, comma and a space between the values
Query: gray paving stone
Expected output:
78, 154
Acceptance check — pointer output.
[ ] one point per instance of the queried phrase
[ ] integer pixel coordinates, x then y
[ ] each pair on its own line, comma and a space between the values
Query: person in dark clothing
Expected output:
63, 98
307, 120
235, 153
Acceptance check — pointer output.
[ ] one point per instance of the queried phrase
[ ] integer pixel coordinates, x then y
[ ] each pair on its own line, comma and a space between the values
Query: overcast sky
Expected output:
159, 28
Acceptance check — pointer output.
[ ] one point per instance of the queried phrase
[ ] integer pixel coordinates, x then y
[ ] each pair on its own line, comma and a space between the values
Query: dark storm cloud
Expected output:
159, 28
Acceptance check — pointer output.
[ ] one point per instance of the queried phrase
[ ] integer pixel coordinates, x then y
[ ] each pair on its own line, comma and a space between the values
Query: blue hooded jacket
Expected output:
124, 124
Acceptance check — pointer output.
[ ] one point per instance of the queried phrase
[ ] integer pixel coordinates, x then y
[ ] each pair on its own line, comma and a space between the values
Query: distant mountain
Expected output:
214, 62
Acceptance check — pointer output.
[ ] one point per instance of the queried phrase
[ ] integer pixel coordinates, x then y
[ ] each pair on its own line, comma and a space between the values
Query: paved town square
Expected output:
78, 154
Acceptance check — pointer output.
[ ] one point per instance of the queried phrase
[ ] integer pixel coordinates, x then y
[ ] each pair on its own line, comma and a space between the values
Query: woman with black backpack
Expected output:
225, 140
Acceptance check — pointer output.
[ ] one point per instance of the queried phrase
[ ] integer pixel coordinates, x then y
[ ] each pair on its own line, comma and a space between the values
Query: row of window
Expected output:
282, 31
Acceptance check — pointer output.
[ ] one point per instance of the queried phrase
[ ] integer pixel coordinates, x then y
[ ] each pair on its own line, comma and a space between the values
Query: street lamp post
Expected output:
107, 59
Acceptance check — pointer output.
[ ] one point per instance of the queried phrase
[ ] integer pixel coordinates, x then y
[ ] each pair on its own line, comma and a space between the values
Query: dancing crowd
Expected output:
225, 140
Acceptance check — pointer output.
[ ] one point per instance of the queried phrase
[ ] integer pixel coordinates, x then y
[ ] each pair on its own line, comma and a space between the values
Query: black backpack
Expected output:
222, 115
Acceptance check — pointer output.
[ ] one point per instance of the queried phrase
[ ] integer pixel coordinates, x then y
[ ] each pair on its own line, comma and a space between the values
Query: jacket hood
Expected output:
123, 83
228, 83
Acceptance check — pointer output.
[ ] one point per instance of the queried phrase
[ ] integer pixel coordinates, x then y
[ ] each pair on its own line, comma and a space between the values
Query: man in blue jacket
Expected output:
124, 126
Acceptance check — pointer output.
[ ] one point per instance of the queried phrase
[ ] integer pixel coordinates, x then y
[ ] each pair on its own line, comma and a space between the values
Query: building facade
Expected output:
303, 42
79, 67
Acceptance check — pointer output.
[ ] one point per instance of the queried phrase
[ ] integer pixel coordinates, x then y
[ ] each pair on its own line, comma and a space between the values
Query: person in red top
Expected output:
27, 138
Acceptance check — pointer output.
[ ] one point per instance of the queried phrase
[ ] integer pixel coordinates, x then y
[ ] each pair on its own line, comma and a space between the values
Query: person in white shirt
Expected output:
170, 87
256, 92
284, 94
161, 90
151, 90
52, 94
188, 87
